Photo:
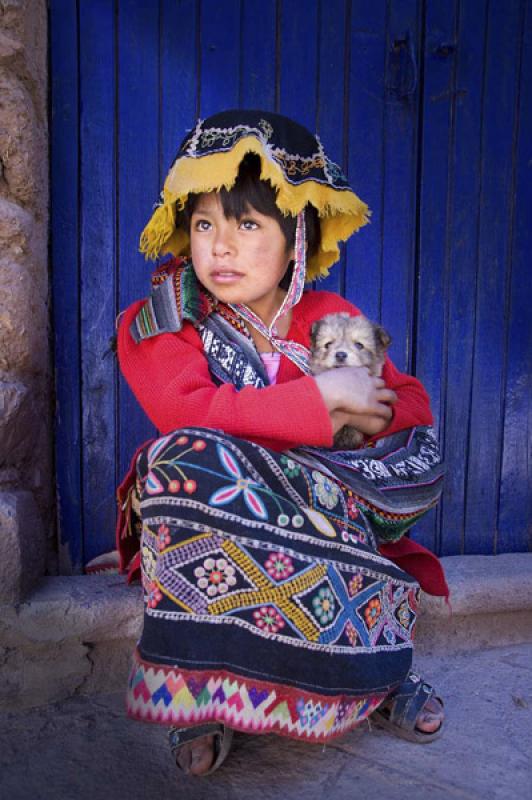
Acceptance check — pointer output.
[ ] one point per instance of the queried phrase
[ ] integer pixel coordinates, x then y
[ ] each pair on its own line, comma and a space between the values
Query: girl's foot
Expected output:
201, 749
430, 717
412, 711
196, 757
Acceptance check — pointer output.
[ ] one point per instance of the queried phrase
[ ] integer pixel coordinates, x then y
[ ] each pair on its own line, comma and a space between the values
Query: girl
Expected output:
280, 595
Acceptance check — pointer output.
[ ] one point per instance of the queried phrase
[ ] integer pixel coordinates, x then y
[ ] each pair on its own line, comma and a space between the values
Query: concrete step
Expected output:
76, 634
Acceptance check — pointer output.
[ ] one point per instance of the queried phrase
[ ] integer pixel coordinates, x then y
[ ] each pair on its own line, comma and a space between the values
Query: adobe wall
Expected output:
26, 497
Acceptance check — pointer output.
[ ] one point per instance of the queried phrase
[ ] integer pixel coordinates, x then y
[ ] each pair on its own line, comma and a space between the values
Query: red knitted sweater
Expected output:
170, 378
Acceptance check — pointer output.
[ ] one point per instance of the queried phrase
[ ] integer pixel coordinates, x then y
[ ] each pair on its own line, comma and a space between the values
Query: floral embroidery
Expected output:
215, 576
355, 585
163, 536
291, 468
174, 486
352, 507
227, 494
154, 595
279, 566
327, 491
351, 634
190, 486
283, 520
298, 521
199, 445
268, 619
372, 612
324, 605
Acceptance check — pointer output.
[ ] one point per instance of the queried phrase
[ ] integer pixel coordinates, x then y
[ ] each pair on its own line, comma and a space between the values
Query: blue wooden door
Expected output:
428, 109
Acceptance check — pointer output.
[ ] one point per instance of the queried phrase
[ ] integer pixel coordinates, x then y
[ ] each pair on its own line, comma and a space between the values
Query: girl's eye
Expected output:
248, 224
202, 225
359, 345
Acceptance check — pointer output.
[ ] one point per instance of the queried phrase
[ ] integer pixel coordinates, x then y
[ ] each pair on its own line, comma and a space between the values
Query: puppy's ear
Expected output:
314, 333
382, 337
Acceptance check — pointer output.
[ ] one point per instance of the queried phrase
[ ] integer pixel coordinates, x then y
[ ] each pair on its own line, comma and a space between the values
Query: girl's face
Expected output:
239, 261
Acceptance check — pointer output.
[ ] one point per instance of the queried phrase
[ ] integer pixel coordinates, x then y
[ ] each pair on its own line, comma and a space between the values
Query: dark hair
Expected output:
250, 191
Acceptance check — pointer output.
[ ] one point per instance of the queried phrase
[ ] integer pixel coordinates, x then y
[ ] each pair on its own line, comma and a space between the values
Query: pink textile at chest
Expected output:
271, 361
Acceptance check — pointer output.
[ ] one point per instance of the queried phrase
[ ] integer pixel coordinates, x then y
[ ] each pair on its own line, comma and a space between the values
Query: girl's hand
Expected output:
357, 393
369, 424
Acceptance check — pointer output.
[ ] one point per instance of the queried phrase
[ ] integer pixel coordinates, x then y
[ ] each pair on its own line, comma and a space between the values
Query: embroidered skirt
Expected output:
267, 604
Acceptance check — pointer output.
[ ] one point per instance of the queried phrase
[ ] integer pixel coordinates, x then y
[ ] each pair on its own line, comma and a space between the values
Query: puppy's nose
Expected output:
341, 356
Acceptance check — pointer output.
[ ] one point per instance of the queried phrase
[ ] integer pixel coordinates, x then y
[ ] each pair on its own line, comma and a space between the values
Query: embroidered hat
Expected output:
292, 160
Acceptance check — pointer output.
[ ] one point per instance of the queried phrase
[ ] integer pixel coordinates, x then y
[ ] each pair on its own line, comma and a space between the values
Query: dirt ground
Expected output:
86, 749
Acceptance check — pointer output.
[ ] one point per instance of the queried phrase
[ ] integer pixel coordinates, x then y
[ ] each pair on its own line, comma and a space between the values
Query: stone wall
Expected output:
25, 367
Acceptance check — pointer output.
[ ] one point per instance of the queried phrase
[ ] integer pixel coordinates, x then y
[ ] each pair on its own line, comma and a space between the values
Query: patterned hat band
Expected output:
292, 161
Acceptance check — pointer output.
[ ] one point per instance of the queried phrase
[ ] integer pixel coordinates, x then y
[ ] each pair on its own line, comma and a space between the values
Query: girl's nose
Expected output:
223, 241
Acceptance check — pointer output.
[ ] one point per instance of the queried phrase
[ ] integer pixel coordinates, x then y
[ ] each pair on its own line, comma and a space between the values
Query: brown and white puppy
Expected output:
340, 340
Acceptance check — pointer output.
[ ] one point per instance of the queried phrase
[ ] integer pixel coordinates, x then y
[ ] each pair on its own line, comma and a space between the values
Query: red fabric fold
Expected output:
419, 562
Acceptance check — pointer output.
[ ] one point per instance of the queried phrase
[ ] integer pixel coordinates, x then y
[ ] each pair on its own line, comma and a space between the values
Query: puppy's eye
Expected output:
359, 345
326, 345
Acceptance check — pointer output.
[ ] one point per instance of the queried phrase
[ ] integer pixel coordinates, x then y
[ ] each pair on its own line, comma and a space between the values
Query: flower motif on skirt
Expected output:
163, 536
268, 619
279, 566
241, 485
290, 467
355, 584
324, 605
154, 595
372, 612
327, 491
351, 633
352, 508
215, 576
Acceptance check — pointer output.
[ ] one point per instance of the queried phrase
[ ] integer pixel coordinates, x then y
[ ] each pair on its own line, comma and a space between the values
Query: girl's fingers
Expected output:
386, 396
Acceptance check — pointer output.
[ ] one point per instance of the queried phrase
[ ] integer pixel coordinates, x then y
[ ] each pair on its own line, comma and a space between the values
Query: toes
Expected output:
196, 757
431, 717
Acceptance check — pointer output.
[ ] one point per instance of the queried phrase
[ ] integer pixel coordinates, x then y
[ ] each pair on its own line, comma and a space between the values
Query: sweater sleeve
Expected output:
412, 406
170, 378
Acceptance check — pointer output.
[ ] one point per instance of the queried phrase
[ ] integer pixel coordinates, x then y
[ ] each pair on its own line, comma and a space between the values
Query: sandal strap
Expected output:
179, 736
407, 701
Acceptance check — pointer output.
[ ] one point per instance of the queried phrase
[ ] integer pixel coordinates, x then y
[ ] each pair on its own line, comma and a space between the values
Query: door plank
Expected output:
97, 271
436, 184
138, 182
365, 127
462, 269
487, 396
220, 55
64, 132
259, 49
333, 26
515, 505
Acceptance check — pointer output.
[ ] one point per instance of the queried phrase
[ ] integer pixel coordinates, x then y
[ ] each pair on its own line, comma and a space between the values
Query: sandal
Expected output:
222, 742
402, 708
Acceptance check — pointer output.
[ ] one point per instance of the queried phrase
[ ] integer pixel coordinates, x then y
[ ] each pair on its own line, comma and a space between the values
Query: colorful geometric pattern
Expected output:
172, 696
210, 575
267, 604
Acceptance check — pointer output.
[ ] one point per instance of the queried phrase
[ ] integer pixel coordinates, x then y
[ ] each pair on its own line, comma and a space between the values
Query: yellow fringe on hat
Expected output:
341, 212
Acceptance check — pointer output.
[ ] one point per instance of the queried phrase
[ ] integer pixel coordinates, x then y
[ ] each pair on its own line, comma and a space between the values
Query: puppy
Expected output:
340, 340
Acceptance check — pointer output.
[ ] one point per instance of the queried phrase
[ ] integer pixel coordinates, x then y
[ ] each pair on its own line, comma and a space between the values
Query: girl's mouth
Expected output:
225, 276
